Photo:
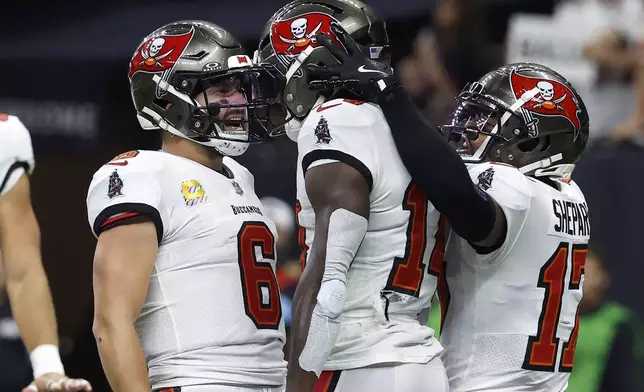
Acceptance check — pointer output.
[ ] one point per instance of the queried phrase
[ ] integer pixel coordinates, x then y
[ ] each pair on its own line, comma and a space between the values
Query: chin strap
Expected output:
546, 168
546, 163
560, 171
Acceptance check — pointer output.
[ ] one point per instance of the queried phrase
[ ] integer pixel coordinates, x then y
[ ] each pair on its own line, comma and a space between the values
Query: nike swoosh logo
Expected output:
323, 108
365, 70
124, 163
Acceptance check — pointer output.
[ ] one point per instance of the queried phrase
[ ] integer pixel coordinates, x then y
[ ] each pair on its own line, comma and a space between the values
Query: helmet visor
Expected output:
469, 126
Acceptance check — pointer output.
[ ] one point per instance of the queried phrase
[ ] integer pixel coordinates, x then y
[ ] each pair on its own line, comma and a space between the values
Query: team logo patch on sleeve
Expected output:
193, 193
485, 179
322, 132
237, 187
115, 186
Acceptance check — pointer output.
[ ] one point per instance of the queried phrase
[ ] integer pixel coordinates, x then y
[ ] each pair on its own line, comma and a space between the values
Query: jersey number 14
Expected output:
407, 272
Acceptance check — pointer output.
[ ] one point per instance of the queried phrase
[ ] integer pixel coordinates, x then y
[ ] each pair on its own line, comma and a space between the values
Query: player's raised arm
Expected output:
123, 263
440, 172
433, 164
339, 195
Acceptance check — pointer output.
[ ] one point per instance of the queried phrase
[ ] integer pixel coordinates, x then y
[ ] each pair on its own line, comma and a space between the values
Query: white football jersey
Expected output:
511, 319
392, 279
212, 314
16, 154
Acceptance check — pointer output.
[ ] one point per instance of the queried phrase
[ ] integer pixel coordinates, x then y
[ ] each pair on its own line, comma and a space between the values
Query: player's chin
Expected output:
465, 151
235, 129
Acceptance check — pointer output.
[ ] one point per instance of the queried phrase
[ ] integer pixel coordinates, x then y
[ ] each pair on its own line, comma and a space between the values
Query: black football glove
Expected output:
366, 78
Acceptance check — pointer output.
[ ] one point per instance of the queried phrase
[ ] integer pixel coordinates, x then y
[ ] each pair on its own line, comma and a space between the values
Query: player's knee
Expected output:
331, 298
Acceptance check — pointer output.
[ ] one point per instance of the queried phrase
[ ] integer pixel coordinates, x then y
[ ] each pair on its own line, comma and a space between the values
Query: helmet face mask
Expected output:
476, 125
233, 105
177, 63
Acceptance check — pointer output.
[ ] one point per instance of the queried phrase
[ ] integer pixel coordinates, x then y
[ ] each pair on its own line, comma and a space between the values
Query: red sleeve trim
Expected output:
118, 218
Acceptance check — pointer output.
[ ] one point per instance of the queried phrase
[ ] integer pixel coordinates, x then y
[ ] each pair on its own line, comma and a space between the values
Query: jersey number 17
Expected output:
542, 348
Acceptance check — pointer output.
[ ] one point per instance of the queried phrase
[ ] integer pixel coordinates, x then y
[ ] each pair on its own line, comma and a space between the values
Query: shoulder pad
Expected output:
505, 183
15, 149
12, 129
343, 112
136, 161
126, 155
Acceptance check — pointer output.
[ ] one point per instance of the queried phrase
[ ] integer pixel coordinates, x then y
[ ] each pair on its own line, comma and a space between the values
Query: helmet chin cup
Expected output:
229, 149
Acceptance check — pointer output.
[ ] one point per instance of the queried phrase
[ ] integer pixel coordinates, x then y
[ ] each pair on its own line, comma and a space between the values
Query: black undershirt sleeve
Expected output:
437, 169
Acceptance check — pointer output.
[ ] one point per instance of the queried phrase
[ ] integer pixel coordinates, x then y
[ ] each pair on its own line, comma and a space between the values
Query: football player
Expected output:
184, 270
515, 259
370, 239
24, 275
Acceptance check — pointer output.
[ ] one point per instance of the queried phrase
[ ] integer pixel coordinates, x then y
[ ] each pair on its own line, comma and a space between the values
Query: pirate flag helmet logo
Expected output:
290, 37
547, 98
159, 52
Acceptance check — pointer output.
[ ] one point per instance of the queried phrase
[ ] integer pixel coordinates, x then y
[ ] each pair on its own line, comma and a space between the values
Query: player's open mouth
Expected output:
466, 147
234, 123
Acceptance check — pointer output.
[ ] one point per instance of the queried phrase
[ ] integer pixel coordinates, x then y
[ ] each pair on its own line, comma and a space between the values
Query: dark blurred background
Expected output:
63, 71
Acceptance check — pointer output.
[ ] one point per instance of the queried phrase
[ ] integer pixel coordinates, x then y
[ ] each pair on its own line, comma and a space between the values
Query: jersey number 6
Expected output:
259, 284
541, 352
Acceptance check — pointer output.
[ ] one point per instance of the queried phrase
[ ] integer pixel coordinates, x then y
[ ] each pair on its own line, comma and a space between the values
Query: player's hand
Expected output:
54, 382
356, 72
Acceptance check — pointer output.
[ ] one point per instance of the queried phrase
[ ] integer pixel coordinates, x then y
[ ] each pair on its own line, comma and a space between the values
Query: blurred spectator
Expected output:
462, 41
284, 217
615, 28
453, 52
632, 128
610, 354
610, 100
621, 15
288, 267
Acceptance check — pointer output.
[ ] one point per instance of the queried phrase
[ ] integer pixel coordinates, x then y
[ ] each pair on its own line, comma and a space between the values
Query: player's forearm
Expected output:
437, 168
121, 355
304, 301
32, 307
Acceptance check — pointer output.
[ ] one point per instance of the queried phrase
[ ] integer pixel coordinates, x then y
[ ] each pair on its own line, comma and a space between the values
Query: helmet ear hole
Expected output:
539, 143
528, 145
162, 104
546, 143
